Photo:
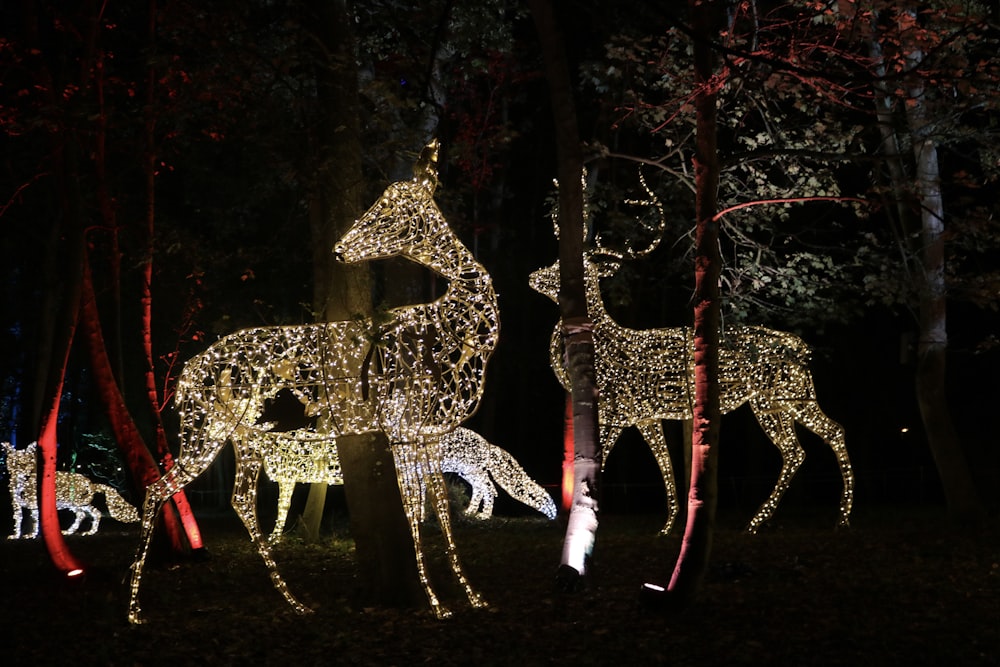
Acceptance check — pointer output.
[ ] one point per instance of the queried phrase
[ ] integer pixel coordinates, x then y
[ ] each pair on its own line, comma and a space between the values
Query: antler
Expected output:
661, 226
628, 253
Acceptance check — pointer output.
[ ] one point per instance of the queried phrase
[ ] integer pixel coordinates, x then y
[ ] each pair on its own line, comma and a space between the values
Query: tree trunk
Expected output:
179, 499
581, 529
137, 456
959, 488
382, 537
59, 323
696, 545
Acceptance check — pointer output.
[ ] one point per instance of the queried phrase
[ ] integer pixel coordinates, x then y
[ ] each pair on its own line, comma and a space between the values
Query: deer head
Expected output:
403, 218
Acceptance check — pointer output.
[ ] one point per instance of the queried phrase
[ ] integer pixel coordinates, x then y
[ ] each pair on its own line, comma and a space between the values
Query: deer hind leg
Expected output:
245, 503
812, 417
157, 495
652, 432
33, 510
780, 428
285, 489
187, 467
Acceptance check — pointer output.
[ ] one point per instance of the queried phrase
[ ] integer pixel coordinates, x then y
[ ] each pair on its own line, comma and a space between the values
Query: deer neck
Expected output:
470, 286
595, 302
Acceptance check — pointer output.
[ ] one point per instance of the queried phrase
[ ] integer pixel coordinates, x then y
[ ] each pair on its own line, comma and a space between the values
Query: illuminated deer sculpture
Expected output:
415, 377
645, 376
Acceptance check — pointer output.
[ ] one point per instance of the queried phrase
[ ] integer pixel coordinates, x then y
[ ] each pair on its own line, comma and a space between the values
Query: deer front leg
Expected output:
18, 514
652, 432
483, 494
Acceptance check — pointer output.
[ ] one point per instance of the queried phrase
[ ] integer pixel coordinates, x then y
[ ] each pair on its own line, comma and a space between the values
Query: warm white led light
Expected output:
416, 377
73, 492
308, 459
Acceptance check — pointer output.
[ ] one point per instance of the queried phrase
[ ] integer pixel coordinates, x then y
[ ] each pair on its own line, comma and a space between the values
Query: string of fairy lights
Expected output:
416, 377
74, 492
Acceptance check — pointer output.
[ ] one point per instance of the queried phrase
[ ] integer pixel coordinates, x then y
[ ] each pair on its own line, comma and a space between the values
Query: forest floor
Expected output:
897, 588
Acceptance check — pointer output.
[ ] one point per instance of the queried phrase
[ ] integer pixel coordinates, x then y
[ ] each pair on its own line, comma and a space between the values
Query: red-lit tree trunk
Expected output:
696, 545
62, 308
581, 529
137, 456
179, 499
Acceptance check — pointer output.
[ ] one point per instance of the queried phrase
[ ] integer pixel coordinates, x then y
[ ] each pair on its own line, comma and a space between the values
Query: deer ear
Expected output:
425, 171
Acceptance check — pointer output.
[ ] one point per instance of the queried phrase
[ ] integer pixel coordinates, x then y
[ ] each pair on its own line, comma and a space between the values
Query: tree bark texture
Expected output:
581, 529
382, 537
949, 457
703, 492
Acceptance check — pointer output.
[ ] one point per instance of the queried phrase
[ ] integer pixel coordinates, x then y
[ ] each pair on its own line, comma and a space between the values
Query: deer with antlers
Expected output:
415, 377
645, 376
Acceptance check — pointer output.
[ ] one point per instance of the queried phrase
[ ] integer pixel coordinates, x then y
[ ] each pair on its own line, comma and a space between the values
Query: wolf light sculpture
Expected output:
74, 492
483, 465
415, 377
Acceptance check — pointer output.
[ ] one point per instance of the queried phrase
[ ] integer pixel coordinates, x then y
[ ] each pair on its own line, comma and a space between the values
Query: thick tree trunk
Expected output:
140, 461
949, 458
383, 544
382, 537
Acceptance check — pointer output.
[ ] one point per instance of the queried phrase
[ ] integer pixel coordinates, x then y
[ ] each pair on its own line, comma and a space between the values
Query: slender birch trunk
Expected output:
578, 338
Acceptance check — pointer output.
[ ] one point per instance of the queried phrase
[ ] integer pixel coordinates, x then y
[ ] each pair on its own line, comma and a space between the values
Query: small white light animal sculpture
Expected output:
415, 377
647, 375
73, 492
464, 452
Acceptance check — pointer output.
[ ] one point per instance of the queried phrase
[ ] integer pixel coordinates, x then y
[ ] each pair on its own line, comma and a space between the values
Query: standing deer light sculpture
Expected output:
415, 378
645, 376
